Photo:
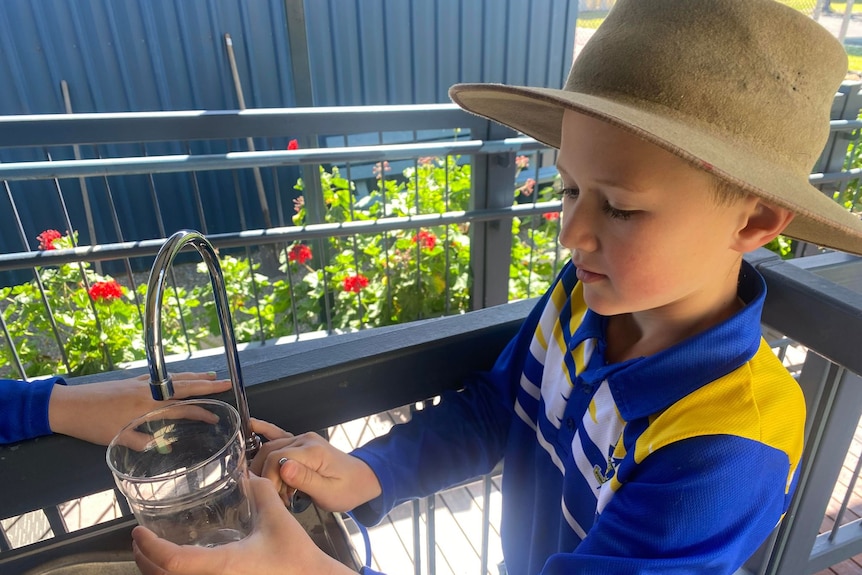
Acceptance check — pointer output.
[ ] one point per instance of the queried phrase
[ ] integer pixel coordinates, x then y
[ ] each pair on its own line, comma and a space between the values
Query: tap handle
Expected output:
163, 389
252, 445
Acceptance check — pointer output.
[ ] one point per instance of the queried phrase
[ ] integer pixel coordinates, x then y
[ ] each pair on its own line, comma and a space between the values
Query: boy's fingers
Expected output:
300, 477
268, 430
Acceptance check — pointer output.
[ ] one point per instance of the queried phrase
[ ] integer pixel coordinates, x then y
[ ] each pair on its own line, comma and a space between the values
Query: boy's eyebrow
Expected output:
618, 186
562, 171
604, 182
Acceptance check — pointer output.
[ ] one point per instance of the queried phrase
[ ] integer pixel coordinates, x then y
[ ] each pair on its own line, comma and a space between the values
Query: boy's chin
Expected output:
603, 305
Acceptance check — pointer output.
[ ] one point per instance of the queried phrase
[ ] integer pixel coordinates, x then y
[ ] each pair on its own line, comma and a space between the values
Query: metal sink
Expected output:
105, 563
326, 529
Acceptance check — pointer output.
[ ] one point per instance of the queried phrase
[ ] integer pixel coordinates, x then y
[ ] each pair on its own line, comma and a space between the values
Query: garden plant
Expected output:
341, 283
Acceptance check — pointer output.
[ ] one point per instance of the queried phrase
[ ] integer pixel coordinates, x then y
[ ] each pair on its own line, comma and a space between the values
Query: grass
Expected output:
807, 6
592, 19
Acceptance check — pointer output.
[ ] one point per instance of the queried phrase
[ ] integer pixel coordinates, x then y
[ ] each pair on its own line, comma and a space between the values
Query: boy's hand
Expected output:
334, 480
278, 546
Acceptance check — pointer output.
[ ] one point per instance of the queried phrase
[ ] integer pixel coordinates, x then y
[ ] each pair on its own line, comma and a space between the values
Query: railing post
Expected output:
491, 242
834, 402
303, 93
845, 106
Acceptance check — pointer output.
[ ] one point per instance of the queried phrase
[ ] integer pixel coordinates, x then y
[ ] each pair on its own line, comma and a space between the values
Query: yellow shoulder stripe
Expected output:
767, 407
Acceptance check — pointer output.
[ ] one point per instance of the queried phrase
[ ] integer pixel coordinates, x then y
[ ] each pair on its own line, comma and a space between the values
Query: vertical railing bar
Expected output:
256, 291
196, 192
55, 520
446, 305
243, 225
430, 535
5, 544
532, 230
355, 243
847, 495
82, 182
418, 241
324, 258
281, 222
291, 289
42, 294
418, 211
85, 279
486, 523
122, 502
279, 205
118, 230
382, 178
160, 223
557, 247
15, 358
417, 538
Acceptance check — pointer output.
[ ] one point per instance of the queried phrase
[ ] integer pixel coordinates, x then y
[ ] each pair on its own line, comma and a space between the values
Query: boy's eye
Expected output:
617, 213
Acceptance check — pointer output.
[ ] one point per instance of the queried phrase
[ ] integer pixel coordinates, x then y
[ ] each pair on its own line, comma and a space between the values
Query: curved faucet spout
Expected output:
161, 385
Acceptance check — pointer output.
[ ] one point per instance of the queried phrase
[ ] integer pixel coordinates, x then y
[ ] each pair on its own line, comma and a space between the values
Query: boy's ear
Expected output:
765, 221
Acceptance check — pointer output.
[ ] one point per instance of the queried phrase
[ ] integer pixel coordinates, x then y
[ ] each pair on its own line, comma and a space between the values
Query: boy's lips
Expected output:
586, 276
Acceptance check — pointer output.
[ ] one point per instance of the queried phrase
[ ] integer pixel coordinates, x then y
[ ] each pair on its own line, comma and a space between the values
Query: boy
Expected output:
646, 426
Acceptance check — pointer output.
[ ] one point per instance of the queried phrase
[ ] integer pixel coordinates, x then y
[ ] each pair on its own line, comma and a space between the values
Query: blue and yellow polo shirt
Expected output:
679, 462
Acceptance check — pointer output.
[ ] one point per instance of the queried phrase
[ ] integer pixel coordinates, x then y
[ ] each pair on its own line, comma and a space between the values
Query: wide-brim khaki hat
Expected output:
740, 88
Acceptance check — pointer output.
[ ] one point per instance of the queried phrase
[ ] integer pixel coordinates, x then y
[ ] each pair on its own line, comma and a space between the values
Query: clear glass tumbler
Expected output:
183, 470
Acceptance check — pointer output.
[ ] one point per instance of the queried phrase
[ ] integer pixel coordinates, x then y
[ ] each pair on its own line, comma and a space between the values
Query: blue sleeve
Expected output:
671, 517
460, 438
24, 408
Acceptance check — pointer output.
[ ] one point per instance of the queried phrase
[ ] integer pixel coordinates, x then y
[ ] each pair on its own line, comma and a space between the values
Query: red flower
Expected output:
104, 292
299, 253
551, 216
522, 162
527, 188
355, 283
425, 239
293, 145
46, 239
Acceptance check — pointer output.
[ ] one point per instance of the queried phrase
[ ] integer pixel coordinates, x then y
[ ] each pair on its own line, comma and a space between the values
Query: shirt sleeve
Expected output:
672, 516
24, 408
460, 438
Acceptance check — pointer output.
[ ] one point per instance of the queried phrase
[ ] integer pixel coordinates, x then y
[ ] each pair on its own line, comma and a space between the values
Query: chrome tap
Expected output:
161, 385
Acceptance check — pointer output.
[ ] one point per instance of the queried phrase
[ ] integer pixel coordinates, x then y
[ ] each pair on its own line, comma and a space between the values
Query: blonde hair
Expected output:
725, 193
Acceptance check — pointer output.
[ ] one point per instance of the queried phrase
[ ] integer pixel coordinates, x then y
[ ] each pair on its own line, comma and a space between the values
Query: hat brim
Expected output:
538, 112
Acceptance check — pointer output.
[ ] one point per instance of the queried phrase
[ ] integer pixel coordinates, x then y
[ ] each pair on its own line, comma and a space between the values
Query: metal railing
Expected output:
493, 161
368, 372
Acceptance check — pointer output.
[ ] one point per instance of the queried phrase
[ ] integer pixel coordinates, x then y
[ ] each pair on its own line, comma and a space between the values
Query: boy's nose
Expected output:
578, 227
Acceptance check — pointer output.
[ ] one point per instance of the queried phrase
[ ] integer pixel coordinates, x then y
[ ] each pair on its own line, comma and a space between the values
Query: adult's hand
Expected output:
335, 481
96, 412
277, 546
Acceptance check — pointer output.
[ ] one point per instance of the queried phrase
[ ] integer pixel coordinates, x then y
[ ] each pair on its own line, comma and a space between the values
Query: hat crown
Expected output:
750, 71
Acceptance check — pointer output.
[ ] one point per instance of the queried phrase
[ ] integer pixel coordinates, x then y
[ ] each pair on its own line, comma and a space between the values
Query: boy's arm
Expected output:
24, 408
701, 505
460, 438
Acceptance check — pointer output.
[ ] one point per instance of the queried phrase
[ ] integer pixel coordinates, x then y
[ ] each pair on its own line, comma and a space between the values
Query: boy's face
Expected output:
642, 225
